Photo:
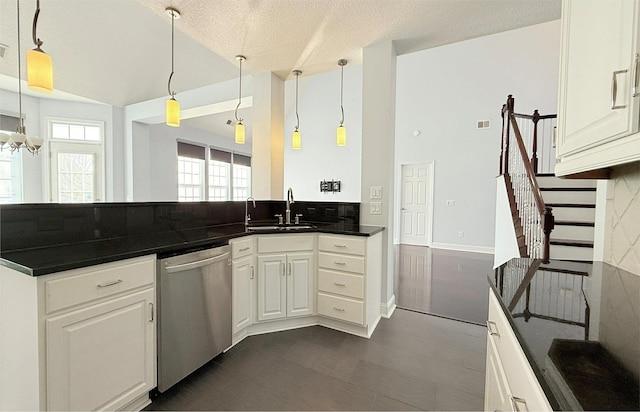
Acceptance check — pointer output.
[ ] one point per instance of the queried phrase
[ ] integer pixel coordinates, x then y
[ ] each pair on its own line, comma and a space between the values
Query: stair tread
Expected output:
568, 189
572, 242
572, 223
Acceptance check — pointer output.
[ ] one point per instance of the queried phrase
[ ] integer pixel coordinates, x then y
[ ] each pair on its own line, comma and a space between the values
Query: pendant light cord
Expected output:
173, 17
21, 124
238, 119
36, 40
341, 92
297, 73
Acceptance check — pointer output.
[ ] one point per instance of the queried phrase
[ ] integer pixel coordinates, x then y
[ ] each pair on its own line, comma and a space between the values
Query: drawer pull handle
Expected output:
336, 245
339, 284
244, 249
338, 309
252, 274
151, 307
340, 263
113, 282
492, 328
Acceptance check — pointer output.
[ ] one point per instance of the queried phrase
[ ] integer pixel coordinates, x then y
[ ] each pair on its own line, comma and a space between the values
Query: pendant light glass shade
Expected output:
172, 109
240, 133
295, 139
341, 136
39, 71
172, 113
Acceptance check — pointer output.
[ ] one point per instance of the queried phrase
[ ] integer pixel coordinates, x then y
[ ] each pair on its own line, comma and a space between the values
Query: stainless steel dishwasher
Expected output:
194, 311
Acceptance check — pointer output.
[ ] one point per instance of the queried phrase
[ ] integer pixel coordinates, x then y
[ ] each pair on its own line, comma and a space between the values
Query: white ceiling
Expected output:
118, 51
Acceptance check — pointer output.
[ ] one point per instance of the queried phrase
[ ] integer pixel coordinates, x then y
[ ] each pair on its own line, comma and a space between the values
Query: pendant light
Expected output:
173, 106
19, 139
341, 133
295, 137
39, 69
239, 125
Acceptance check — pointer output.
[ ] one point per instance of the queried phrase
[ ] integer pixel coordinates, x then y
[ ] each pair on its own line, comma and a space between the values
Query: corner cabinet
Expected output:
510, 383
243, 281
83, 339
598, 108
286, 276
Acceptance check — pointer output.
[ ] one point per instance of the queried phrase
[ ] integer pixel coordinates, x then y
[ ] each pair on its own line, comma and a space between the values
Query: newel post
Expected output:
534, 149
548, 222
507, 109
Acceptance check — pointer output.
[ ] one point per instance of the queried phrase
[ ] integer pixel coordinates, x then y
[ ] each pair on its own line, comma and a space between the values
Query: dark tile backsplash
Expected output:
40, 225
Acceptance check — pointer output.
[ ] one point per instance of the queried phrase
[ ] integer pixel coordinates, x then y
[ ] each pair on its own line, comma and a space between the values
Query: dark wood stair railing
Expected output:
535, 218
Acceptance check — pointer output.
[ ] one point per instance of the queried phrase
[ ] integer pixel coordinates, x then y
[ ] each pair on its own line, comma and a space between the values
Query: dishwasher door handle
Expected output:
196, 264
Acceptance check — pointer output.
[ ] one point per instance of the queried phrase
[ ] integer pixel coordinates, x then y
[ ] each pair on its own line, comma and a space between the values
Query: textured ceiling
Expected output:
118, 51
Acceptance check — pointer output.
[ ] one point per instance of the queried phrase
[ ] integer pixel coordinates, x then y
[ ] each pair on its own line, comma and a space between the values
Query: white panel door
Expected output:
272, 287
300, 291
415, 208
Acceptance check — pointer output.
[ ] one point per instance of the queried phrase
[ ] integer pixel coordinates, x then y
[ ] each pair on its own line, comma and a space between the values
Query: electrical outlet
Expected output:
450, 203
376, 208
460, 234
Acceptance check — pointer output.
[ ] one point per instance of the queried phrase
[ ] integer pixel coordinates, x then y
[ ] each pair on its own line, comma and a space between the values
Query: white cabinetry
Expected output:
598, 109
243, 278
349, 279
95, 337
285, 276
510, 383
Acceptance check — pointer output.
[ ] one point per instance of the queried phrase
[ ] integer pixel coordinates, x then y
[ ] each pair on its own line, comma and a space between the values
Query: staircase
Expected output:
573, 202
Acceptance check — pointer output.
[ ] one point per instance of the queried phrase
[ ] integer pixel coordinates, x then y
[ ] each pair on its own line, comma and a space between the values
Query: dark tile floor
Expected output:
413, 361
443, 282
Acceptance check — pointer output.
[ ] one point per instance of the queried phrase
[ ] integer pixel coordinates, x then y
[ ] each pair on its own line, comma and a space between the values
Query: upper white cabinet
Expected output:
598, 108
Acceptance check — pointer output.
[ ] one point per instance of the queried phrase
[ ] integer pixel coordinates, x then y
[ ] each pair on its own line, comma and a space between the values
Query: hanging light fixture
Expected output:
239, 125
39, 69
295, 137
19, 139
341, 134
172, 113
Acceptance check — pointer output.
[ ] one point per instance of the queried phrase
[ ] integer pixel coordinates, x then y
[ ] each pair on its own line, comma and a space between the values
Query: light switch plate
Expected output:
376, 208
375, 192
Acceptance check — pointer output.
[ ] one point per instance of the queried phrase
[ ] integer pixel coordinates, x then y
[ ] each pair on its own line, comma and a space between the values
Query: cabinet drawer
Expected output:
341, 262
345, 309
281, 243
342, 244
341, 283
241, 247
87, 284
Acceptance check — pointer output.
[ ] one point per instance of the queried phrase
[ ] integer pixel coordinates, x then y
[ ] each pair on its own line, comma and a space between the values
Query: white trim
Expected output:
600, 220
387, 309
463, 248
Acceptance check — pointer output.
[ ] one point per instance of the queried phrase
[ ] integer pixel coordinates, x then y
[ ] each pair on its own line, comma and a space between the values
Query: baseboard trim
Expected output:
387, 309
463, 248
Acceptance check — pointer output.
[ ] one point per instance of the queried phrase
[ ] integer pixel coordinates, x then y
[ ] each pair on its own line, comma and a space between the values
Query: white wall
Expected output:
319, 158
37, 110
442, 92
155, 157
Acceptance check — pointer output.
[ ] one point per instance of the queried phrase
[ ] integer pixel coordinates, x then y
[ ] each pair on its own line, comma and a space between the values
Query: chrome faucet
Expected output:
247, 216
289, 201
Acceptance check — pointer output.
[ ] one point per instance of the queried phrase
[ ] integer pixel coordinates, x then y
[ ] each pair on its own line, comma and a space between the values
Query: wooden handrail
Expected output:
527, 165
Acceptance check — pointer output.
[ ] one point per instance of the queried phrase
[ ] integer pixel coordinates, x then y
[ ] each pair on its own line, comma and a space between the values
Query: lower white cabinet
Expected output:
510, 383
243, 277
285, 285
83, 339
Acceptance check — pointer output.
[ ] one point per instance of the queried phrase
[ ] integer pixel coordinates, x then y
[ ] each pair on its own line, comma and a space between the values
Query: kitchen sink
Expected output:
279, 228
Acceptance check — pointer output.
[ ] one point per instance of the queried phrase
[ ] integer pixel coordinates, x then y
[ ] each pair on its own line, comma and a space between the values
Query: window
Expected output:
190, 172
224, 175
76, 148
10, 165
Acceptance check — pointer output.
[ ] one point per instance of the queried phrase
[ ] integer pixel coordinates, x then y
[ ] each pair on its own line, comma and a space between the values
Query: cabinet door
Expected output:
243, 276
300, 291
103, 356
599, 46
496, 389
272, 287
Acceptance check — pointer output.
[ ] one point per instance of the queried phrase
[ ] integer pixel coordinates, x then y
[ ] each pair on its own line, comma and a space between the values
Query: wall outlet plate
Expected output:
376, 208
375, 192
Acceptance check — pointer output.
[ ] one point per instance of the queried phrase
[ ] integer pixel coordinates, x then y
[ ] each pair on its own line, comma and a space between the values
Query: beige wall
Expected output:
622, 229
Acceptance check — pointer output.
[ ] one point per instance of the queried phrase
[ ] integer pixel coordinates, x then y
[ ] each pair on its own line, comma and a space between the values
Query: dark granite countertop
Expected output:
579, 326
45, 260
